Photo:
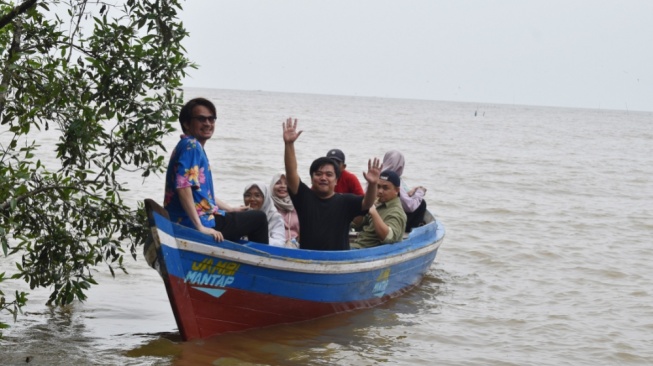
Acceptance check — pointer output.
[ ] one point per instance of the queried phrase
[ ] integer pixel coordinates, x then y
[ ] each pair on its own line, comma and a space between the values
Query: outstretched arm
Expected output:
372, 178
290, 135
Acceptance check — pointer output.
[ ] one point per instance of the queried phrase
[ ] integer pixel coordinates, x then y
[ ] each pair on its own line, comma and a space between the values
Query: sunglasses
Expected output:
203, 119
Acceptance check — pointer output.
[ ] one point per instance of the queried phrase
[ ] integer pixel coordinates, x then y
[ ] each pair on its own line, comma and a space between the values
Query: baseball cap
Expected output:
337, 155
391, 177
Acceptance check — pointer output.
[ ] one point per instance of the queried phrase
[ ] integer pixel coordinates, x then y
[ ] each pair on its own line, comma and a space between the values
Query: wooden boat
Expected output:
220, 287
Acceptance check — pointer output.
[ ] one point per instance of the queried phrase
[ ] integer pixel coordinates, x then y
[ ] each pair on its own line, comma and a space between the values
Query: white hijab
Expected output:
276, 230
267, 206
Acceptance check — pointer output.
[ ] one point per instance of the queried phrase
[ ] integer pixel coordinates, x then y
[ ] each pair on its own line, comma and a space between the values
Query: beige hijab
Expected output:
285, 203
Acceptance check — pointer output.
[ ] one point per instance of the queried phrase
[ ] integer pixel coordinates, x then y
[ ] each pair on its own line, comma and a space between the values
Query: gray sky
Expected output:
568, 53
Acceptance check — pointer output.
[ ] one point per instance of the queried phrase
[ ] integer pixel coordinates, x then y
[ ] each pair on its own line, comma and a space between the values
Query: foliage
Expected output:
106, 80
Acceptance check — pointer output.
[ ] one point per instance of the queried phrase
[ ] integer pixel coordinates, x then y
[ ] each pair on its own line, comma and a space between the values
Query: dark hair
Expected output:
320, 162
186, 112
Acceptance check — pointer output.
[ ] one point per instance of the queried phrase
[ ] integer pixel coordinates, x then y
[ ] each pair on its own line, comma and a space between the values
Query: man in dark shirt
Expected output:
324, 216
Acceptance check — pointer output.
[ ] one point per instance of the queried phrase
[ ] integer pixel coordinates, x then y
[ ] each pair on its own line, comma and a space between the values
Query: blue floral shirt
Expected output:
189, 167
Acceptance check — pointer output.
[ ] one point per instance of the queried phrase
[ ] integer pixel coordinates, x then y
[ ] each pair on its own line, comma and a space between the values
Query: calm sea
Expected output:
547, 258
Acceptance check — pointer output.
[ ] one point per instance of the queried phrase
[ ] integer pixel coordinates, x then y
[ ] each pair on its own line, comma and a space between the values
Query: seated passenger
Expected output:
256, 197
189, 196
283, 204
348, 182
324, 216
411, 200
386, 220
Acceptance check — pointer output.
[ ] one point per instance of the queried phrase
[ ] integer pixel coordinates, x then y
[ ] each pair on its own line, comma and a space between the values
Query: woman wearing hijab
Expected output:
257, 197
411, 200
279, 190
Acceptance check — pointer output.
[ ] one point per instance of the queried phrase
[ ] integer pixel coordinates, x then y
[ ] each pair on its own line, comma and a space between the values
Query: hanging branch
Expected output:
9, 17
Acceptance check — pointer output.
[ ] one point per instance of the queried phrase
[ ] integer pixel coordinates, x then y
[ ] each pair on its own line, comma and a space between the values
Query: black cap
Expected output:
391, 177
337, 155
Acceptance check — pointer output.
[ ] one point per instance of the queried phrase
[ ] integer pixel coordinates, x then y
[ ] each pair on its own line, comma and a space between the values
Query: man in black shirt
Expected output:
324, 216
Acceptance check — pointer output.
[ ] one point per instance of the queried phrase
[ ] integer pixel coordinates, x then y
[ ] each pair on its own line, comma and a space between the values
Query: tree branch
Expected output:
7, 73
9, 17
5, 205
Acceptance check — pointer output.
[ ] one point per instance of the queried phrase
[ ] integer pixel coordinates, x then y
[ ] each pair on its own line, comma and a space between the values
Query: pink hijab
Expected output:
394, 160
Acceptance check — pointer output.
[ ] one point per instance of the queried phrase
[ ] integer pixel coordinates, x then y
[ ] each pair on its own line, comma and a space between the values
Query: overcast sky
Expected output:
568, 53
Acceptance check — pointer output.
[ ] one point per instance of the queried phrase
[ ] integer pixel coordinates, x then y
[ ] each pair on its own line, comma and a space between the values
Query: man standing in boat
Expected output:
189, 196
324, 216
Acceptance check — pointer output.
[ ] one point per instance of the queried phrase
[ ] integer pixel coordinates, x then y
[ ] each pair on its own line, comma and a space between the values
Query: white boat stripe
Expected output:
293, 264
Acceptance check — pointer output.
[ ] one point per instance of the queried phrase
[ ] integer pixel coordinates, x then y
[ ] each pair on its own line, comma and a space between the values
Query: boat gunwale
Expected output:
260, 258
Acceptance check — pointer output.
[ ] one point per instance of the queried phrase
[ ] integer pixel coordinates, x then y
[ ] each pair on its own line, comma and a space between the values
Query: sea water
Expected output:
546, 261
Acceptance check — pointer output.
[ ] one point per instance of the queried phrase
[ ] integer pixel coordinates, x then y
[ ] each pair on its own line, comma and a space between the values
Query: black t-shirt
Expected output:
324, 223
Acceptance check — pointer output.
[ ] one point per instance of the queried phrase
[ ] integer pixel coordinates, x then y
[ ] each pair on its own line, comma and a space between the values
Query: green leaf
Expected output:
110, 106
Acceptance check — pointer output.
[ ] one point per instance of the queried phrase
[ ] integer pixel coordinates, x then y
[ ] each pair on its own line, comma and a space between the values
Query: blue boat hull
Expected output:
216, 288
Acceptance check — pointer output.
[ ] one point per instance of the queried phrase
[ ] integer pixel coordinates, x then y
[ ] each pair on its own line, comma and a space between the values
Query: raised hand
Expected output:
373, 171
372, 178
290, 133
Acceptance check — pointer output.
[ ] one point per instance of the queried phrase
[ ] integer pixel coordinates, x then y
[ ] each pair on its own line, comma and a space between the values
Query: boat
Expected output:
220, 287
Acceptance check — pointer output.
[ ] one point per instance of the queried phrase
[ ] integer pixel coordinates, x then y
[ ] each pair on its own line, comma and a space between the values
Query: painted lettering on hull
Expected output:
206, 275
215, 280
222, 267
